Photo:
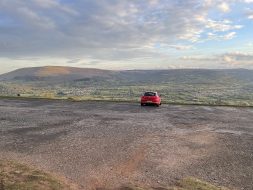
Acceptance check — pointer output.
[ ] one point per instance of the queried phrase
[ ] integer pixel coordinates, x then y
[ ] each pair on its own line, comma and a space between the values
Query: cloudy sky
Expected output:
126, 34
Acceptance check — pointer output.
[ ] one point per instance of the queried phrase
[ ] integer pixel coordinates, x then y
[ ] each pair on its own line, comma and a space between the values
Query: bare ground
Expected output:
106, 145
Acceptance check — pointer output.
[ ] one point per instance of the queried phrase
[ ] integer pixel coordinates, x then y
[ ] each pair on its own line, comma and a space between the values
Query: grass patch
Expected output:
14, 176
196, 184
184, 184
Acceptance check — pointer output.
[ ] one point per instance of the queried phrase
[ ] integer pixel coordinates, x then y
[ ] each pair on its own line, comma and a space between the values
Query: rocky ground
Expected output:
104, 144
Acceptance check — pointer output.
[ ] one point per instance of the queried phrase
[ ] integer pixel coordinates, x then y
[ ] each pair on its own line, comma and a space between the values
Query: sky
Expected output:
126, 34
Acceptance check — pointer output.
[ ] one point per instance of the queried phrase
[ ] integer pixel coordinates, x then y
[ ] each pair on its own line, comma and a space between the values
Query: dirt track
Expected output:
98, 144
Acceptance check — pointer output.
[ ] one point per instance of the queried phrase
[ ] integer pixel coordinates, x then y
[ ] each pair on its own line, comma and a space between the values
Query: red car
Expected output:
151, 98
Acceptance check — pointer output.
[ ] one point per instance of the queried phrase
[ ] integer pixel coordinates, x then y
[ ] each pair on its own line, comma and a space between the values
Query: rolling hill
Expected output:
53, 74
59, 74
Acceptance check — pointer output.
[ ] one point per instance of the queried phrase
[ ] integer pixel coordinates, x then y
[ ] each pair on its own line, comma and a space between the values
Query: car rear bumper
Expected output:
150, 102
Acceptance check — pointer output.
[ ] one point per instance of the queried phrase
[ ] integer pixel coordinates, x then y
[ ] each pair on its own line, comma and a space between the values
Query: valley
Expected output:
186, 86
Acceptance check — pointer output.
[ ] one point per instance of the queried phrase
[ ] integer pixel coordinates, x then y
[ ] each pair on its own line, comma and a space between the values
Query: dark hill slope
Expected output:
57, 74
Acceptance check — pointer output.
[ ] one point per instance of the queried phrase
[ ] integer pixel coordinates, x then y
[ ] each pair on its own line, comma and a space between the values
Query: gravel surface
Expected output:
103, 144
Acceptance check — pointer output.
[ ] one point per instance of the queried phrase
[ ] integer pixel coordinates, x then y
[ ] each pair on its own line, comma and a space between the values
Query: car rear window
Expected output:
149, 94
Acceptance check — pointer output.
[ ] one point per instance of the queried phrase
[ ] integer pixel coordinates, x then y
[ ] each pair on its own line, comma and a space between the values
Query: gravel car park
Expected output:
100, 144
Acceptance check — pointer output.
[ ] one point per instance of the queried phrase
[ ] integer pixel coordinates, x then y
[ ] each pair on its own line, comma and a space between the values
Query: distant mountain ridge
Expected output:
58, 74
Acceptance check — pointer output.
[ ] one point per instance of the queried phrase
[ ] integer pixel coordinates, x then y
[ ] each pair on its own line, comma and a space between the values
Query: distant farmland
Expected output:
187, 86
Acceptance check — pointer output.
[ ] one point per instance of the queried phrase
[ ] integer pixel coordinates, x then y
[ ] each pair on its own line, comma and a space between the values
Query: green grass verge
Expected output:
15, 176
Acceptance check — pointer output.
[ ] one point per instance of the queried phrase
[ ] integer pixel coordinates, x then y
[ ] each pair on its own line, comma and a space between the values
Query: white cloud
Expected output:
228, 59
238, 58
230, 36
221, 26
248, 1
198, 58
249, 14
175, 46
250, 44
224, 7
220, 37
180, 47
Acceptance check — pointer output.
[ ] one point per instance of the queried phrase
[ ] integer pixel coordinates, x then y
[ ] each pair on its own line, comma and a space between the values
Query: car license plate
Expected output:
149, 101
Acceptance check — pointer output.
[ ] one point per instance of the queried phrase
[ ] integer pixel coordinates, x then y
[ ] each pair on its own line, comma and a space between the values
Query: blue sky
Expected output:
126, 34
